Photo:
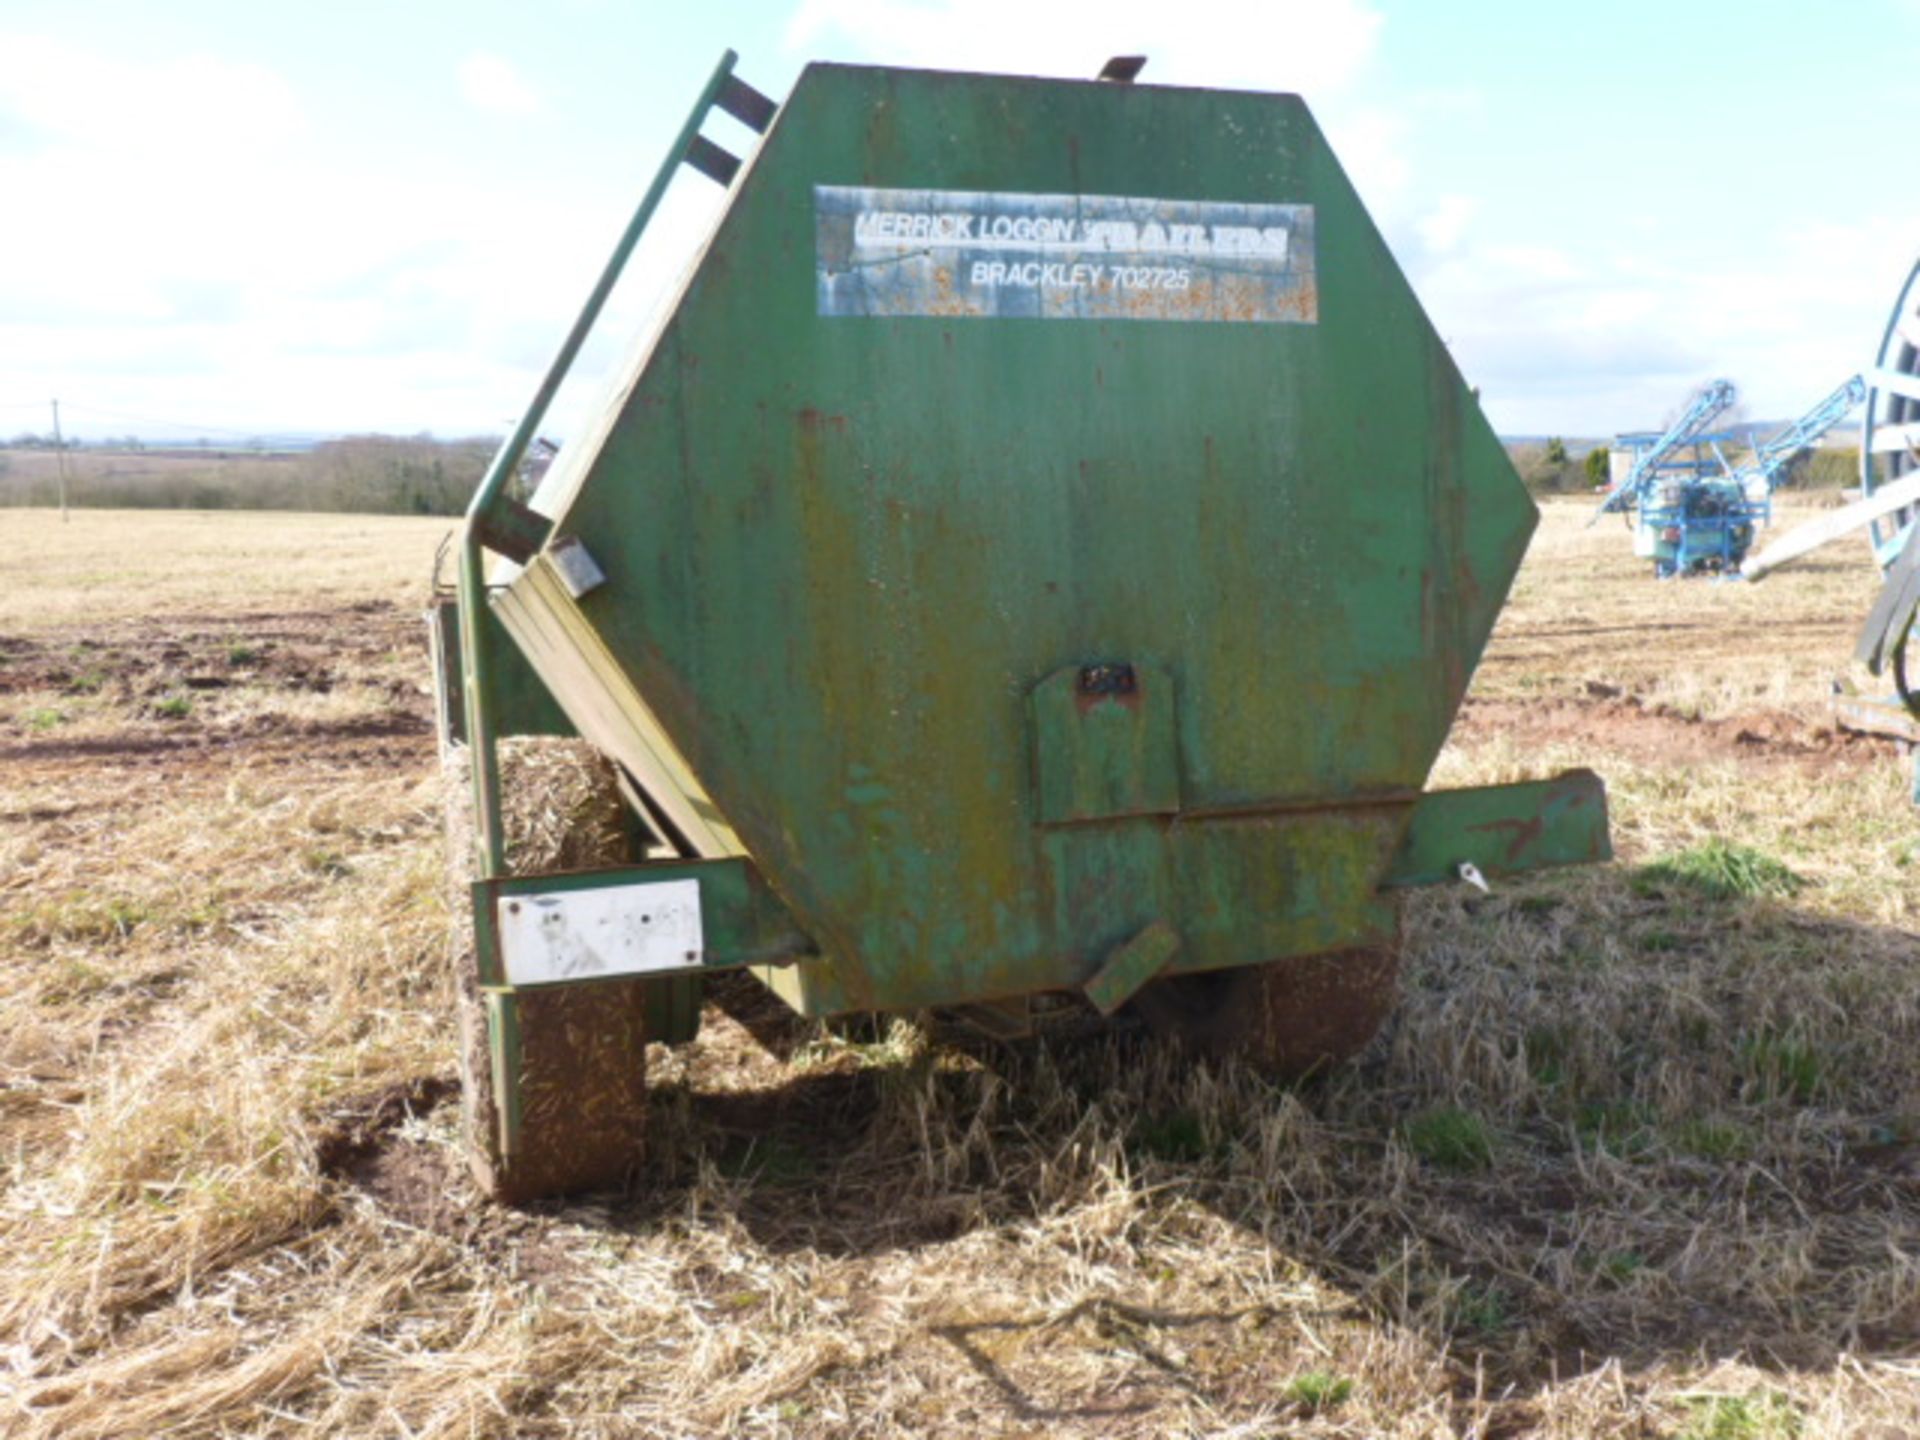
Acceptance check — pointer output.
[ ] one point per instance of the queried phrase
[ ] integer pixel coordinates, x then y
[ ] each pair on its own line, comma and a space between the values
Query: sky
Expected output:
222, 218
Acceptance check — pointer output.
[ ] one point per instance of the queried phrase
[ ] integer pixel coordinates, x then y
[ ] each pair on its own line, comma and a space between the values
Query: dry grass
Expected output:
1639, 1155
1584, 611
129, 566
383, 474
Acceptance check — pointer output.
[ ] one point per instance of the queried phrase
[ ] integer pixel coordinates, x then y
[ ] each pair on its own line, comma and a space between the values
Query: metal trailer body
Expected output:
1042, 551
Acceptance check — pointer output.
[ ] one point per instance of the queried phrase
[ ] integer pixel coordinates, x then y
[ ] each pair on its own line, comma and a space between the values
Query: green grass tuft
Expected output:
1618, 1266
1718, 871
1452, 1138
1482, 1309
1766, 1416
1782, 1065
768, 1160
1318, 1390
1712, 1139
1176, 1136
1620, 1127
330, 864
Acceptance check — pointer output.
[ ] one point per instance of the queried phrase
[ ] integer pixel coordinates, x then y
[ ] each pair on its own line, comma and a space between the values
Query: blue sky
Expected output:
237, 217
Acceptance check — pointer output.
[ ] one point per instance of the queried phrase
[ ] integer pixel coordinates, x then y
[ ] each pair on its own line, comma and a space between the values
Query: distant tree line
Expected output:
1548, 469
374, 474
1835, 469
133, 444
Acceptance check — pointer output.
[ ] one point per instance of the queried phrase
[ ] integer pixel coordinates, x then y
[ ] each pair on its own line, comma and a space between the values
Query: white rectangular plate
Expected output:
646, 928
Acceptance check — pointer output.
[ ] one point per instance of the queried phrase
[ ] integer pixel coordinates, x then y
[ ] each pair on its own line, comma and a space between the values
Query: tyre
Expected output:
552, 1081
1287, 1018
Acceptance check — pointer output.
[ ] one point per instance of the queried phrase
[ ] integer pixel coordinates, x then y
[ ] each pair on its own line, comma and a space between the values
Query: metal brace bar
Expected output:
746, 104
711, 161
489, 839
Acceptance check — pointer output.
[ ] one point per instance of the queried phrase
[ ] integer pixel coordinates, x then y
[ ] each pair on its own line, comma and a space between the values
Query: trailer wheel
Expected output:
572, 1057
1288, 1018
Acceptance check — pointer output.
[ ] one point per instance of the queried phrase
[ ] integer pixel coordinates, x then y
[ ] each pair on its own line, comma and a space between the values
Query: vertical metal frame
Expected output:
489, 838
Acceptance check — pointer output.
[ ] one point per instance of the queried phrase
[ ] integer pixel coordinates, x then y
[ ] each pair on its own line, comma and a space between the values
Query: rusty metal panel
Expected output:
1103, 742
842, 549
1131, 966
1499, 829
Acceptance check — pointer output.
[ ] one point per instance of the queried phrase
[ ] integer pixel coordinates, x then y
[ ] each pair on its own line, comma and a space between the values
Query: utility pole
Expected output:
60, 461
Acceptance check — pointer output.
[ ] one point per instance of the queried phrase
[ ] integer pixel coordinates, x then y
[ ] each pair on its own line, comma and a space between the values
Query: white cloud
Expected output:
276, 283
1442, 228
493, 84
185, 244
1581, 341
202, 108
1315, 46
141, 188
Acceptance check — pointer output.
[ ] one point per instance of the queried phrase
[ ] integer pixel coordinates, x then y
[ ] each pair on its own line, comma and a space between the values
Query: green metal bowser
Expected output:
1040, 554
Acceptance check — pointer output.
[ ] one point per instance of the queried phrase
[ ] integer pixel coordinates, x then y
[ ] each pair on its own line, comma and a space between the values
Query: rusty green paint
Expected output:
1500, 829
521, 526
1104, 745
503, 1053
1131, 966
521, 705
844, 557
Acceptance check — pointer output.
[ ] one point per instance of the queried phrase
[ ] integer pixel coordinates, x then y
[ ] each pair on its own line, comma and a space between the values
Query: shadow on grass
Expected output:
1615, 1120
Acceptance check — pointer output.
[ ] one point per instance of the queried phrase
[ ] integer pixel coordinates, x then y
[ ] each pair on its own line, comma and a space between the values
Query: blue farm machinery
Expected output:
1692, 511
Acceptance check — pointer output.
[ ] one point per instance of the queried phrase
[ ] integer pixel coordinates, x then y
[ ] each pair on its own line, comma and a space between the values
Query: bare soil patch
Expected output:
195, 693
1609, 720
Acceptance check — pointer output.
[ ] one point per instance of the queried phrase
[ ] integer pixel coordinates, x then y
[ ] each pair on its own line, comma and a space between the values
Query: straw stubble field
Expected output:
1639, 1154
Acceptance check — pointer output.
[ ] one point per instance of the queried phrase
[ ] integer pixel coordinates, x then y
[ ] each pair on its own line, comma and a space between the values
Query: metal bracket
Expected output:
645, 927
658, 919
576, 567
509, 528
1104, 743
710, 160
746, 104
1131, 966
1500, 829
